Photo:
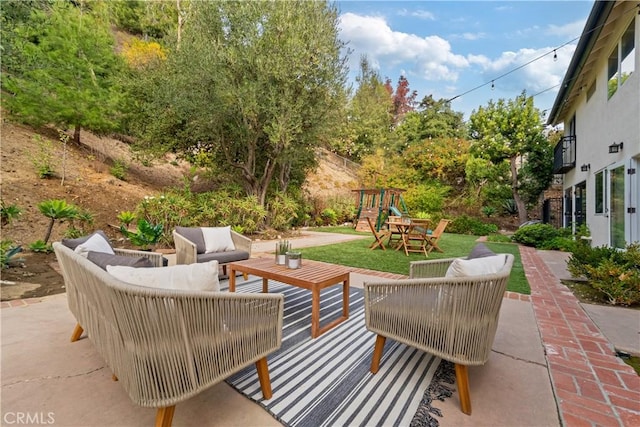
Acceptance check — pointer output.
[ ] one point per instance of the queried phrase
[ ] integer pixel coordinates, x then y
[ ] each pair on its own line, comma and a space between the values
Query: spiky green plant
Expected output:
7, 251
8, 213
126, 217
56, 210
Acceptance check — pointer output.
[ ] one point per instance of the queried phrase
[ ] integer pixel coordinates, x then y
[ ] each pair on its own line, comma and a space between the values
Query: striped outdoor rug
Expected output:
326, 381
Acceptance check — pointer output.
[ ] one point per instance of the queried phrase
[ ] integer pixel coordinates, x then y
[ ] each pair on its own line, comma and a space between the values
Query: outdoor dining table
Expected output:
400, 228
404, 228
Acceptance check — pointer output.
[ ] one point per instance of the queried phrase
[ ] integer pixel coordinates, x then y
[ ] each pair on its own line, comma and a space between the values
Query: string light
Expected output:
555, 57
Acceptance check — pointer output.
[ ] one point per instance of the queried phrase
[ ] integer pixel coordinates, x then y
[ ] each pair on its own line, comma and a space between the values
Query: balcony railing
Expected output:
564, 156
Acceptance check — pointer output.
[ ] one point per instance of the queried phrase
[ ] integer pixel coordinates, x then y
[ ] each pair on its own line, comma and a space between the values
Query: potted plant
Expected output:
282, 247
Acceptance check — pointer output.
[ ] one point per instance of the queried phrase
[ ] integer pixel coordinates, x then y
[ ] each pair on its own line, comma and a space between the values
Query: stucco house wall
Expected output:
600, 122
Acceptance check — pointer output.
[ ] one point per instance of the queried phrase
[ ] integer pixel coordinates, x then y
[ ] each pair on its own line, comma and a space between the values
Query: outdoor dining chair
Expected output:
416, 238
379, 235
395, 230
434, 238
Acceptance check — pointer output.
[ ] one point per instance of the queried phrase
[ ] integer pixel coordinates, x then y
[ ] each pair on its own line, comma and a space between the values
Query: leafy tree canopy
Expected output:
512, 130
63, 70
254, 85
403, 98
368, 116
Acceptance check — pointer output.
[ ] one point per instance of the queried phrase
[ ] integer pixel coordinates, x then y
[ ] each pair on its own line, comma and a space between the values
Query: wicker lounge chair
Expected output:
454, 318
166, 346
190, 248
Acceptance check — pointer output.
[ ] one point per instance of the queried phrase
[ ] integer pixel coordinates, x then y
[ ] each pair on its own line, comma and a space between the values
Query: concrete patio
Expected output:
552, 364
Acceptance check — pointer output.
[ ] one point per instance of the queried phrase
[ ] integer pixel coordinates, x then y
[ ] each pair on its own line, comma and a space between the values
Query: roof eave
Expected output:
598, 16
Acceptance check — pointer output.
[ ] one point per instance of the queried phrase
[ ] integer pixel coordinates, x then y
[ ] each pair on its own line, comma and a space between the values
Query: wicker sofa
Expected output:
454, 318
166, 346
190, 248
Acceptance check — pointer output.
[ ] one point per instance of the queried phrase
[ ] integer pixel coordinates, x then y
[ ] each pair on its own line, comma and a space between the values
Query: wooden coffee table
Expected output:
313, 276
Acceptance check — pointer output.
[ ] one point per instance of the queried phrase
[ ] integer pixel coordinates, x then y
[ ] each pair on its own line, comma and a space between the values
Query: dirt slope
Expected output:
89, 185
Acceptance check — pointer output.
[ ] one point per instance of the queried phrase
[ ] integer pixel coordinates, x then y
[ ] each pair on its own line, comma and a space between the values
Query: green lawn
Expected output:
356, 253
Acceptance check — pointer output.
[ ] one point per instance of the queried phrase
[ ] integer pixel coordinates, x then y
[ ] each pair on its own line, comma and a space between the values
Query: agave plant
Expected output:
8, 213
145, 235
7, 251
56, 210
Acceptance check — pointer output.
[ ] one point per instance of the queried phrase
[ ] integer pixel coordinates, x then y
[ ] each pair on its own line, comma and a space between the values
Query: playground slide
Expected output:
394, 210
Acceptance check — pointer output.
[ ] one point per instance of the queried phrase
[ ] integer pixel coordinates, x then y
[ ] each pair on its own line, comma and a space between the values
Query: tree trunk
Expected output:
522, 210
180, 24
76, 134
49, 229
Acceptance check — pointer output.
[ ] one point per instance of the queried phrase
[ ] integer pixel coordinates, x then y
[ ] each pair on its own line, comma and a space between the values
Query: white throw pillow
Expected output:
95, 243
191, 277
217, 239
460, 267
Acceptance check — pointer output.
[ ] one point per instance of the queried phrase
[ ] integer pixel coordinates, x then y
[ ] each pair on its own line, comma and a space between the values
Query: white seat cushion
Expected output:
460, 267
194, 277
95, 243
217, 239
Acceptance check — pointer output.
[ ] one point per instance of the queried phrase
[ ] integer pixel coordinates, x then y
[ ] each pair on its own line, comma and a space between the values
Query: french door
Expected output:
623, 187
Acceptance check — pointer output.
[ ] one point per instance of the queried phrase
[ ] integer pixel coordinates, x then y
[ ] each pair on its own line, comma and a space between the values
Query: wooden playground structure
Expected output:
378, 204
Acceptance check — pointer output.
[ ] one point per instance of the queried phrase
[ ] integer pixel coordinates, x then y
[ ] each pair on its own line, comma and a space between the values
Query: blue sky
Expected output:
446, 48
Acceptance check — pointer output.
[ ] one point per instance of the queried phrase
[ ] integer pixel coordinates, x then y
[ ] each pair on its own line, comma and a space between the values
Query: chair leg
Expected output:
164, 416
77, 331
263, 376
378, 242
377, 353
462, 379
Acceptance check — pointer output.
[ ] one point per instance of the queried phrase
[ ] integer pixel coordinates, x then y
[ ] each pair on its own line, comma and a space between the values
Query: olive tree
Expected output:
253, 89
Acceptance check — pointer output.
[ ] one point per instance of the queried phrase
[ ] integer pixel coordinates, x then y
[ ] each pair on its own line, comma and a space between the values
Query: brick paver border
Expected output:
592, 386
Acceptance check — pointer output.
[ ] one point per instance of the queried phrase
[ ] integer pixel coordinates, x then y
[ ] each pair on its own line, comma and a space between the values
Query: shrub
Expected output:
617, 276
40, 246
535, 234
282, 212
426, 198
344, 207
145, 235
583, 256
43, 158
565, 244
329, 217
467, 225
119, 169
204, 210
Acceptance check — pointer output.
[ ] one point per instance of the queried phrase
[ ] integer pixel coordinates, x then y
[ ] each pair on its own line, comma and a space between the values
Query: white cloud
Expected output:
419, 13
469, 36
539, 75
428, 57
569, 31
424, 14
